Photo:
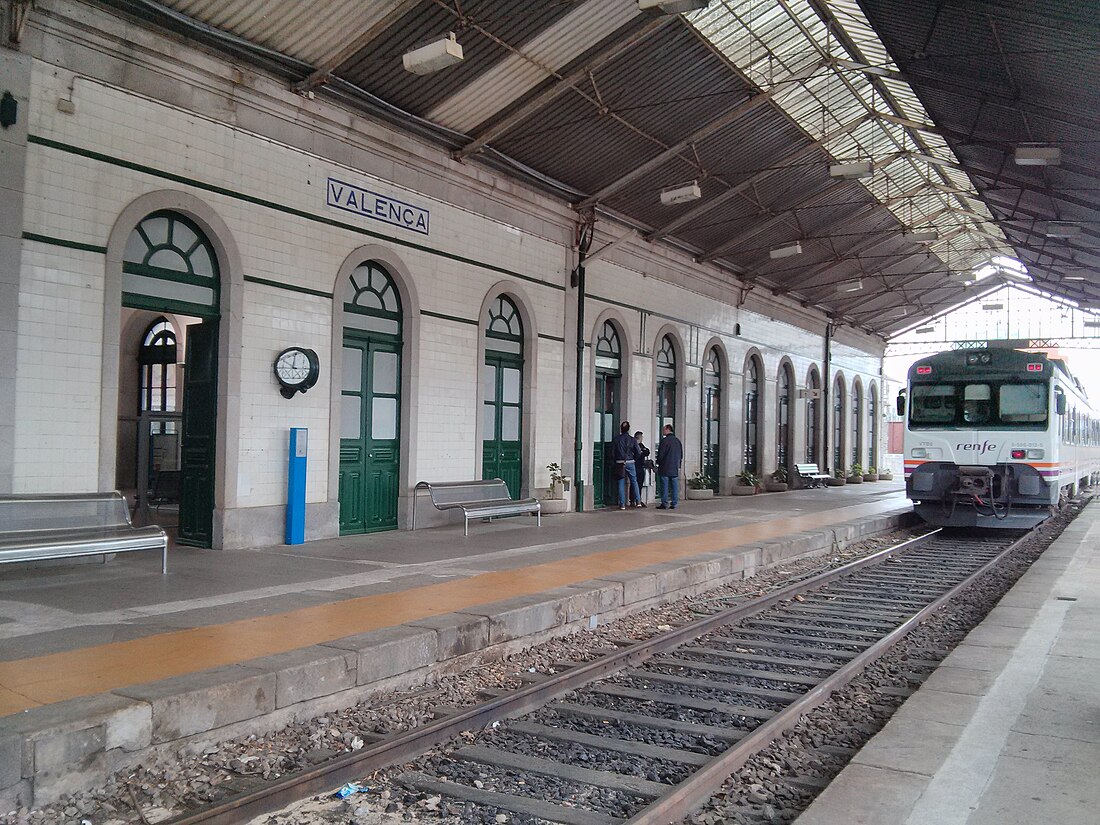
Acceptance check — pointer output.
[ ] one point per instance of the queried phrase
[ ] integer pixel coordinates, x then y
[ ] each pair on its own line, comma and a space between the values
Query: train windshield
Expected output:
987, 404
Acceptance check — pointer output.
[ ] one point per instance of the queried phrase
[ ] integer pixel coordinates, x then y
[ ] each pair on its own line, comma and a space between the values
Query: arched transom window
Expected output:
371, 300
503, 323
157, 359
666, 387
608, 348
169, 265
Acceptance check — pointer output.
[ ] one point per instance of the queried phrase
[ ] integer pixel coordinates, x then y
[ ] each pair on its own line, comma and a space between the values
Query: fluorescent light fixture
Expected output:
673, 6
920, 235
1074, 278
850, 286
786, 251
1092, 323
960, 275
852, 171
1060, 229
992, 307
925, 330
1038, 156
681, 194
439, 54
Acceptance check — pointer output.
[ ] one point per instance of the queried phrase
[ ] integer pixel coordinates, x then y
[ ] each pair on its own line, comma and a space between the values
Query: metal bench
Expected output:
477, 499
36, 527
811, 474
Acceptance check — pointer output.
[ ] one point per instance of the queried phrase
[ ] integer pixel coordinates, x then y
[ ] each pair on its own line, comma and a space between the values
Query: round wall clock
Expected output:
297, 369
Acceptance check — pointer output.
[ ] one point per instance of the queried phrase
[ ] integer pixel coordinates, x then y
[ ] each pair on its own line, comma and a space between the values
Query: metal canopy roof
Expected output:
605, 105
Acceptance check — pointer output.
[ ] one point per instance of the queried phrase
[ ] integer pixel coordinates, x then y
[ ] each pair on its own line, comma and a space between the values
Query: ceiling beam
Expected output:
562, 84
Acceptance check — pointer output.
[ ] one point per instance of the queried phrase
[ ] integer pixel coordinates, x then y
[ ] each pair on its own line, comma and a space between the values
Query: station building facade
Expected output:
174, 222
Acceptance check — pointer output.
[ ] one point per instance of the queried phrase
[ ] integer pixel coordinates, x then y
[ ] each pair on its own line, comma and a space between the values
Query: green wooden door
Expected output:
197, 452
711, 433
502, 414
605, 489
370, 443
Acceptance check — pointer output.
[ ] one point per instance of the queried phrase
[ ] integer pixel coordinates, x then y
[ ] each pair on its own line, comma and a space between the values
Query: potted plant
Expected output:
556, 502
840, 477
855, 474
777, 481
871, 474
746, 484
700, 485
885, 475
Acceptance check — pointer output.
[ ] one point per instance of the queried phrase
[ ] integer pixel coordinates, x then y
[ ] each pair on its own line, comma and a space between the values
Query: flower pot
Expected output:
870, 476
837, 482
553, 506
742, 490
706, 492
855, 479
885, 476
775, 486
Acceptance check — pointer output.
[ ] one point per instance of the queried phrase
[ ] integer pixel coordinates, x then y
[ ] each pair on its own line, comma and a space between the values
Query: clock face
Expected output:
297, 369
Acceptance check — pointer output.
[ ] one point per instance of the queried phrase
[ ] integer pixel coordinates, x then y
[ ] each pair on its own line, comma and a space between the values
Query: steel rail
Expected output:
690, 794
405, 746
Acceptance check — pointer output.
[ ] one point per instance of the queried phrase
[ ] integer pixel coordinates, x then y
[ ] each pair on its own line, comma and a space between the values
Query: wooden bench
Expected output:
36, 527
811, 474
477, 499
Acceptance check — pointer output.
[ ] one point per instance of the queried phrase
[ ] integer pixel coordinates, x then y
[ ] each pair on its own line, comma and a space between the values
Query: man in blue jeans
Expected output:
670, 455
625, 451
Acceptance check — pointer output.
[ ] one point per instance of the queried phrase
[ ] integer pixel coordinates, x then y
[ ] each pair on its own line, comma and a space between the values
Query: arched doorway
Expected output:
169, 266
502, 389
370, 402
812, 423
605, 419
872, 428
838, 424
712, 415
752, 416
783, 446
665, 365
857, 419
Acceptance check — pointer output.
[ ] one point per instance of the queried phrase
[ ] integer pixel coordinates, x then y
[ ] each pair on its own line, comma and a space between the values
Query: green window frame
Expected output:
169, 265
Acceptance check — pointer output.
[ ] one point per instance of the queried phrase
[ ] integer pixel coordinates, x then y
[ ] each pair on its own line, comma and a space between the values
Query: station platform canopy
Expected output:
863, 158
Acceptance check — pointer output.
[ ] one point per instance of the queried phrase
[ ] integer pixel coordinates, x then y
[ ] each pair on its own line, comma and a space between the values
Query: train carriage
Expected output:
994, 437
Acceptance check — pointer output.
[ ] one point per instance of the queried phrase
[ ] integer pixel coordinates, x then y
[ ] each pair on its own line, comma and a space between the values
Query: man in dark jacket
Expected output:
670, 455
625, 452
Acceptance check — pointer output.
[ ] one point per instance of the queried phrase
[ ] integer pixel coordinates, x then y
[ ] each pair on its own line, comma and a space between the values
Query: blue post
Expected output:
296, 487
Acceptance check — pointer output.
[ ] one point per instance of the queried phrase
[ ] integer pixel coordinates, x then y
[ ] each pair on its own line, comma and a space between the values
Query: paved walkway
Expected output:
1007, 730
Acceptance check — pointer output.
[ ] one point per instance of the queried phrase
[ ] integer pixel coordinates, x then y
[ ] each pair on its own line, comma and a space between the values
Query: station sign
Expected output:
360, 201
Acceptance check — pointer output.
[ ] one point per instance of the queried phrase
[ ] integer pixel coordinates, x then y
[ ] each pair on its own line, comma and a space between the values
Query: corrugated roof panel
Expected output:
547, 52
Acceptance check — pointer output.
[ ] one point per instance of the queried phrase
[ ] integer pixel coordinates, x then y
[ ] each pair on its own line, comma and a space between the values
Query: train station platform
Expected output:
1007, 730
103, 666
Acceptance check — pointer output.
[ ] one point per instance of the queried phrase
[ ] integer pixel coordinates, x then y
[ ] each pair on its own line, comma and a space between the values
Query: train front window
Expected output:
1023, 403
985, 405
932, 404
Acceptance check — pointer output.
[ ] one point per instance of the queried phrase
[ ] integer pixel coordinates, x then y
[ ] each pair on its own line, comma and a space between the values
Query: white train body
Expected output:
994, 437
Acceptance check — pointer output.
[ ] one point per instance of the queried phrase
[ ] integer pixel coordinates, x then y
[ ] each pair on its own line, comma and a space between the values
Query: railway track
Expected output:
644, 735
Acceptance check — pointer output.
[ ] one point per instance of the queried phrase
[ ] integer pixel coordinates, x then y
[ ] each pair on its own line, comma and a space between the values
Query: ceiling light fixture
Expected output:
920, 234
1074, 278
925, 330
1060, 229
1038, 156
439, 54
681, 194
785, 251
1091, 324
850, 286
992, 307
673, 6
852, 171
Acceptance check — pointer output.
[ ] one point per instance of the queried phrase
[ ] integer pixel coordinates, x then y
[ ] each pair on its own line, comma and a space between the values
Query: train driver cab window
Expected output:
932, 404
977, 403
1023, 403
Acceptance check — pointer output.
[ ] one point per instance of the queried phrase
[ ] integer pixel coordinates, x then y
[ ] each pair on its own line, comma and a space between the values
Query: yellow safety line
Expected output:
42, 680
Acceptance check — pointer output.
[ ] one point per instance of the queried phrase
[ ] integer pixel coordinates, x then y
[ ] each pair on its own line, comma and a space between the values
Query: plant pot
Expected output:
885, 476
553, 506
775, 486
855, 479
742, 490
837, 482
870, 476
698, 494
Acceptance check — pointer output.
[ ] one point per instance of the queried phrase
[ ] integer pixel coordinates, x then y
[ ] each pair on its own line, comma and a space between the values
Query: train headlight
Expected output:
919, 452
1036, 454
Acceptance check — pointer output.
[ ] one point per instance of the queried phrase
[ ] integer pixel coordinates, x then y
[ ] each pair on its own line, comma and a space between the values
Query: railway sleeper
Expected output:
697, 729
608, 743
748, 713
747, 673
806, 664
777, 696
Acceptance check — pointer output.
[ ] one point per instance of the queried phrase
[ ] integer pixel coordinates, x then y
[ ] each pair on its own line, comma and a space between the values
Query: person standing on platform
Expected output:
670, 455
625, 452
641, 469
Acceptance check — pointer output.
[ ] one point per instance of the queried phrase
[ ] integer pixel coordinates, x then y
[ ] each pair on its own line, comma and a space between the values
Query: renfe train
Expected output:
994, 437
